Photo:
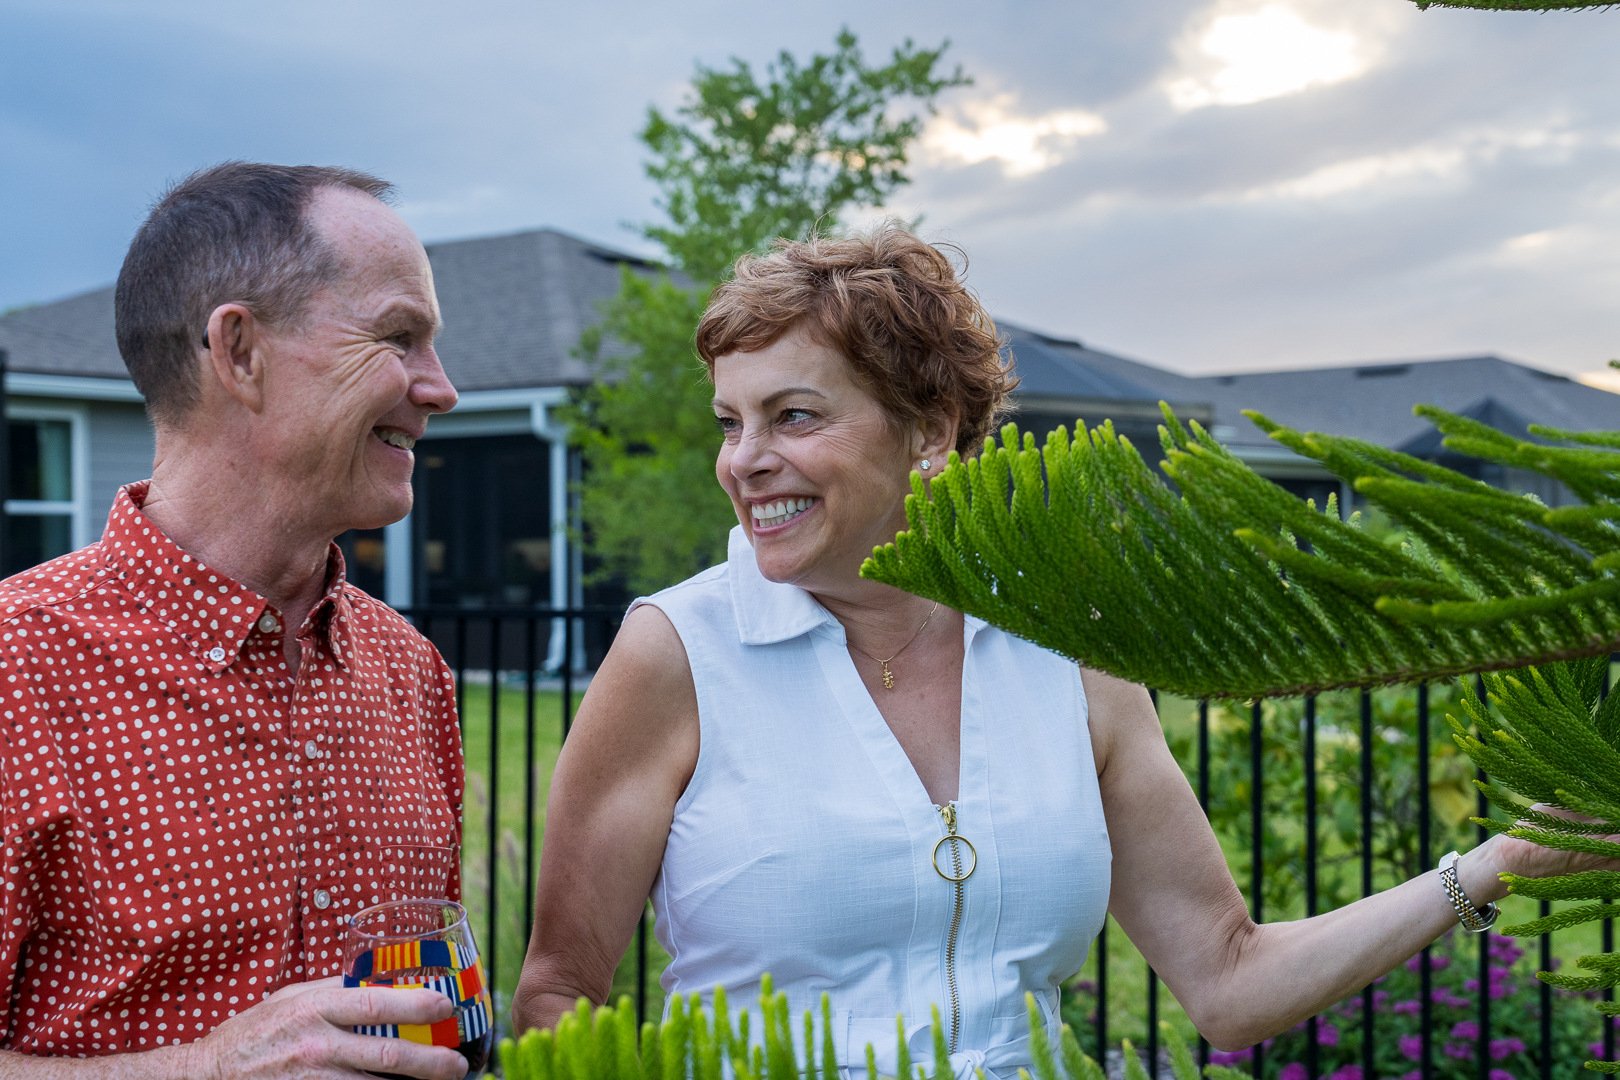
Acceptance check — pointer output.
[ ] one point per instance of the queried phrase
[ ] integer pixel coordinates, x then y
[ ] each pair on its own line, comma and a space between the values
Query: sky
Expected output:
1206, 185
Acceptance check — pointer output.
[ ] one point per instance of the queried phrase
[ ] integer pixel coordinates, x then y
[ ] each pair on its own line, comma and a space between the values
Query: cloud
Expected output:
990, 129
1240, 52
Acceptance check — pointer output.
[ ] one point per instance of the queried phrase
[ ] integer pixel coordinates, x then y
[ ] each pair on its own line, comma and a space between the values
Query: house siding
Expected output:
121, 448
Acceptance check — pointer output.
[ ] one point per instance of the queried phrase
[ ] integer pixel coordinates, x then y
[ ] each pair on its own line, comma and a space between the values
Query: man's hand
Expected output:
302, 1031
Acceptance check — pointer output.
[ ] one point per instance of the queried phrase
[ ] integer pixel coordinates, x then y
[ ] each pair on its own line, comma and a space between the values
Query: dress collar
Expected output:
771, 611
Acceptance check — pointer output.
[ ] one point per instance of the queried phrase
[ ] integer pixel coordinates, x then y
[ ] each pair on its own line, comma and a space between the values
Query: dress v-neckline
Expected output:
884, 747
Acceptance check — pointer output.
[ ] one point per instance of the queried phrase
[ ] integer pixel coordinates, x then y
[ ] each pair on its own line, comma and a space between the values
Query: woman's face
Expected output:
816, 471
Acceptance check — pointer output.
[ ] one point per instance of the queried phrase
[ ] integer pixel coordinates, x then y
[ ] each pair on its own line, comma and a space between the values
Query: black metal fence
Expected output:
516, 710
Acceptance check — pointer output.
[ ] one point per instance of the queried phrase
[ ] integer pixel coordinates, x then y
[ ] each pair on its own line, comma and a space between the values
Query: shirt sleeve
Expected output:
28, 776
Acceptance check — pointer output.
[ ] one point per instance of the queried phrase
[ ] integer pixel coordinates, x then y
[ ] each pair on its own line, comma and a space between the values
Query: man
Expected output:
214, 749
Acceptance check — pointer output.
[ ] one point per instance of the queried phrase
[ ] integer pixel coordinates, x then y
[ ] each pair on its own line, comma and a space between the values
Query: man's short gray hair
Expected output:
234, 233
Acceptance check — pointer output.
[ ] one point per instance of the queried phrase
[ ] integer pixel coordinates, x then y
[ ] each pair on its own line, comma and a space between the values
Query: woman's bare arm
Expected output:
628, 757
1174, 895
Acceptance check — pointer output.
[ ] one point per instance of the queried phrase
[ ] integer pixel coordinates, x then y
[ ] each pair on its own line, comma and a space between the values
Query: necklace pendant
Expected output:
888, 676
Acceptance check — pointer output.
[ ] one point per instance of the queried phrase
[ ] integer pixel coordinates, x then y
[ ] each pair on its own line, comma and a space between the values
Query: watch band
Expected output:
1476, 920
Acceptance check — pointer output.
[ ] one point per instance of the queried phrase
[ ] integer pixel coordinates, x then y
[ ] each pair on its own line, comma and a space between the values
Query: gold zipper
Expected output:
958, 880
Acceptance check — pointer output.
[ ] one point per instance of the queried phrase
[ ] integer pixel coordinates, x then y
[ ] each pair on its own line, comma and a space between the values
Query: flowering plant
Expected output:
1512, 1048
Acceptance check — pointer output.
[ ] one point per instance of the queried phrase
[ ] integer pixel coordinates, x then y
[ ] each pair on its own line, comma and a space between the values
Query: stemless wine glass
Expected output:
412, 944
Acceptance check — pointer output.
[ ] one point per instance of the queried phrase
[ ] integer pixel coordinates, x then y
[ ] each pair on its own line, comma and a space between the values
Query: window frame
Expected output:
77, 508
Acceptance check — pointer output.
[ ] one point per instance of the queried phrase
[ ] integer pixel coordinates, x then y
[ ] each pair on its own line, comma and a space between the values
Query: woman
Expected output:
866, 794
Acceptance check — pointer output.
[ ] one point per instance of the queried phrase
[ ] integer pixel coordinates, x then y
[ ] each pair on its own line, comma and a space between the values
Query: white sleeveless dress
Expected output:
805, 844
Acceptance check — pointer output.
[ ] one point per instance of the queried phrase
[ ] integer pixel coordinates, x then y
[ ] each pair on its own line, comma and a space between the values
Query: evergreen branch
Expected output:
1263, 595
1563, 920
1587, 885
1514, 5
1583, 845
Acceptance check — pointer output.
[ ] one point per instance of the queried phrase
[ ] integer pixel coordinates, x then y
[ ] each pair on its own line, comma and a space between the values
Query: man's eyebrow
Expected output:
414, 312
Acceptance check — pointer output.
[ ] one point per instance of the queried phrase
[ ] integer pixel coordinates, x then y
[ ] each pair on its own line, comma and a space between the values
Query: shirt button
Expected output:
268, 623
216, 654
311, 751
323, 899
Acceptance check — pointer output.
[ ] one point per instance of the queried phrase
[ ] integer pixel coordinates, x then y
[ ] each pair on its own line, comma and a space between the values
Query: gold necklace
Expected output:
888, 675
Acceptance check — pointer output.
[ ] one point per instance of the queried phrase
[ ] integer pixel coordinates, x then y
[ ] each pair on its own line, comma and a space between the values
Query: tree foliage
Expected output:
745, 159
1227, 586
1515, 5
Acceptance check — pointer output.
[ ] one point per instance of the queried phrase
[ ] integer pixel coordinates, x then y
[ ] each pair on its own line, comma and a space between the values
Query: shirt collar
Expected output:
771, 611
213, 613
768, 611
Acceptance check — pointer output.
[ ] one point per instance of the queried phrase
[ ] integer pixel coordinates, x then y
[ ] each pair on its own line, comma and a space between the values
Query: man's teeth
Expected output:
774, 513
397, 438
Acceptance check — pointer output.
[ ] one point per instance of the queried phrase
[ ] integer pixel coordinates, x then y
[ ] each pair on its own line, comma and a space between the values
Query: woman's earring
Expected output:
925, 464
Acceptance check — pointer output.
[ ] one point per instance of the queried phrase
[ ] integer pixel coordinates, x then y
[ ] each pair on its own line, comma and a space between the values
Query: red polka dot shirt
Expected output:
186, 822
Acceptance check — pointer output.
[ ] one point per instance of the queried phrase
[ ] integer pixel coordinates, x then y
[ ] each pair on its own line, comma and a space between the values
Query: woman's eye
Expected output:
794, 416
727, 425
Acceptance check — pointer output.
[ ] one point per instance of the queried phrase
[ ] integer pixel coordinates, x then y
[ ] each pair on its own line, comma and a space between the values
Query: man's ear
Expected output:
236, 341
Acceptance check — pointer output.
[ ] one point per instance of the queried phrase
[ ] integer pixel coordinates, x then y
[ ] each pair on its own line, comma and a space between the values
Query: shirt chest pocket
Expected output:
414, 871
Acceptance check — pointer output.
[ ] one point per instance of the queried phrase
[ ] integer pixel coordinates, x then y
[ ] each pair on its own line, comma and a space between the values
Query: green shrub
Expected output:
696, 1042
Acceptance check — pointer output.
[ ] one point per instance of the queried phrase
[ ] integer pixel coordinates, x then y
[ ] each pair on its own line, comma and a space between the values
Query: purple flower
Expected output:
1460, 1051
1440, 995
1327, 1034
1501, 1074
1411, 1046
1465, 1029
1504, 950
1501, 1048
1292, 1071
1347, 1072
1230, 1057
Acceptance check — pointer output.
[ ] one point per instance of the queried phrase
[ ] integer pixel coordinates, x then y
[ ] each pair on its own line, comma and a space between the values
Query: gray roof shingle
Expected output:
1374, 401
515, 305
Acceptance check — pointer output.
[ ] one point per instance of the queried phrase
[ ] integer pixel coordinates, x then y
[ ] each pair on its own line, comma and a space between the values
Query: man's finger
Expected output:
374, 1054
348, 1006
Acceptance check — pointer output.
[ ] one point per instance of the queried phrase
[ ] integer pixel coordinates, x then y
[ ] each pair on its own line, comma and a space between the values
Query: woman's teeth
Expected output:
775, 513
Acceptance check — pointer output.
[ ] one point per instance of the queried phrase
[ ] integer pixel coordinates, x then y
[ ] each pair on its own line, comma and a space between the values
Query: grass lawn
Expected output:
498, 884
511, 770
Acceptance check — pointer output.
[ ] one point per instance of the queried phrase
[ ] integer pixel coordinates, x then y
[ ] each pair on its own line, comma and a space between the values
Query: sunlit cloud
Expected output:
1603, 378
1250, 53
1443, 162
991, 130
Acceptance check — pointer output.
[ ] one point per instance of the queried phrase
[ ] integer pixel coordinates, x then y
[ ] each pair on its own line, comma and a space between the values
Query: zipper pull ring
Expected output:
956, 875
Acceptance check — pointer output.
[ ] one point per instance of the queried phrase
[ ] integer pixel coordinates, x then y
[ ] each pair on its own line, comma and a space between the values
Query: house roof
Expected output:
66, 337
1056, 367
1374, 401
514, 307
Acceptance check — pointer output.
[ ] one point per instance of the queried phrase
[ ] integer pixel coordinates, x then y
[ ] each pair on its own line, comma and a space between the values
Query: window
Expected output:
42, 506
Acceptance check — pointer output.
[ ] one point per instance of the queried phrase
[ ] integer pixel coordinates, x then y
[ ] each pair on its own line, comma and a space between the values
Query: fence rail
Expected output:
516, 712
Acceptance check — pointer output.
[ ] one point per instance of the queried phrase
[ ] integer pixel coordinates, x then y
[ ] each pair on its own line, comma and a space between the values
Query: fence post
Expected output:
5, 469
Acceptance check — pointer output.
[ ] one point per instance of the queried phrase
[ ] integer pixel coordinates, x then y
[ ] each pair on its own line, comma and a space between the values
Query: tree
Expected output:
1083, 549
1230, 587
1514, 5
742, 161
